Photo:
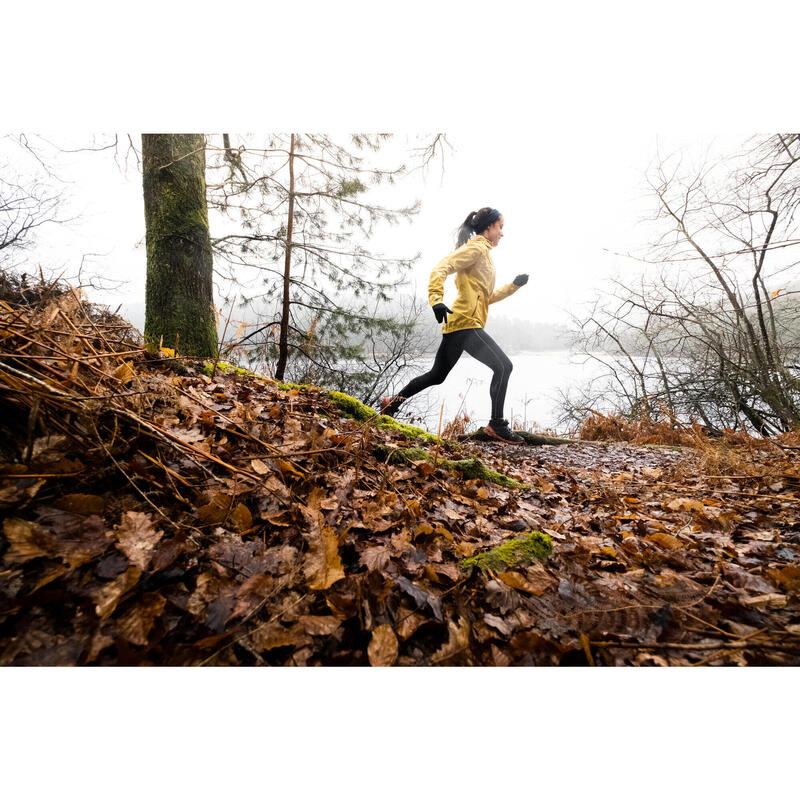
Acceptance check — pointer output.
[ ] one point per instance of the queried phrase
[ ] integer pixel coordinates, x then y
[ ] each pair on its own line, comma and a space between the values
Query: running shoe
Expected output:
498, 429
389, 405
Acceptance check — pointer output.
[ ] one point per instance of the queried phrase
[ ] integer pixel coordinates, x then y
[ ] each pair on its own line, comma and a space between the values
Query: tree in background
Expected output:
714, 334
304, 210
179, 310
26, 203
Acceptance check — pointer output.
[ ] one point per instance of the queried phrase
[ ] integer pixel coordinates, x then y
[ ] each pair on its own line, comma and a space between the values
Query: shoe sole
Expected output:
489, 432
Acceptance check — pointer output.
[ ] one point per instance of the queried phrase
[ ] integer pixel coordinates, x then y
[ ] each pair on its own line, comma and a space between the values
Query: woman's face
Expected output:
494, 233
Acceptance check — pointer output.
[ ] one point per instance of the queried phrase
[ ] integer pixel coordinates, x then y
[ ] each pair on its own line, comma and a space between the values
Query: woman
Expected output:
475, 275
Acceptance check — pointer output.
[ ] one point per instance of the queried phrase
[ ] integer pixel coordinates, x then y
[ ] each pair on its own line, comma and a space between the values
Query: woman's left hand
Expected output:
521, 280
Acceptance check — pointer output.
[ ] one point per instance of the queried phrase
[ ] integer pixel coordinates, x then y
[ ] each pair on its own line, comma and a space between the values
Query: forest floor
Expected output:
155, 515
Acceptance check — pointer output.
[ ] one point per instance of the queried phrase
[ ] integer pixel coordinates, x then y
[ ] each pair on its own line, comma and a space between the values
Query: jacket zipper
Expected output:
474, 310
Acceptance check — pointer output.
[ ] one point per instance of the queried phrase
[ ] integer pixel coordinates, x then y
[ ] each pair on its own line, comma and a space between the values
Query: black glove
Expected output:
521, 280
440, 311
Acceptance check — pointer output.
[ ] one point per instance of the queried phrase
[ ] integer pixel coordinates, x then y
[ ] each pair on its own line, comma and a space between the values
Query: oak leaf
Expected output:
136, 537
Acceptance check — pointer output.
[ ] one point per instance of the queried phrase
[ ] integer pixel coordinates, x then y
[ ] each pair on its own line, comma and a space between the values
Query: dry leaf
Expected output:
27, 539
457, 643
107, 597
323, 564
383, 647
124, 372
137, 537
80, 503
665, 540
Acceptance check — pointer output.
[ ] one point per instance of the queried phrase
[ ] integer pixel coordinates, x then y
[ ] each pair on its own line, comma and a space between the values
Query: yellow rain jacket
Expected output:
475, 276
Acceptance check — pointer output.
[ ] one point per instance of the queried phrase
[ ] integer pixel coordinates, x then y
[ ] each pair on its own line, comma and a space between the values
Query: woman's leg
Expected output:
482, 347
450, 350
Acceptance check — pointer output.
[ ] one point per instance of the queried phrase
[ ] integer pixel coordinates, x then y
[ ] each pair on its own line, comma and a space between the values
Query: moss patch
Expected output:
520, 550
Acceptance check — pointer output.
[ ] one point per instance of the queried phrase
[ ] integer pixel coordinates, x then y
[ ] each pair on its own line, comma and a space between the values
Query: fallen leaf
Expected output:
259, 467
136, 537
27, 539
685, 504
323, 565
456, 644
319, 625
107, 597
517, 581
138, 622
124, 372
665, 540
80, 503
383, 647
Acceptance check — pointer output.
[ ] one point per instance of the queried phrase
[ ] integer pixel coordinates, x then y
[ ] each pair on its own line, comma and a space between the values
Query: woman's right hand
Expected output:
440, 311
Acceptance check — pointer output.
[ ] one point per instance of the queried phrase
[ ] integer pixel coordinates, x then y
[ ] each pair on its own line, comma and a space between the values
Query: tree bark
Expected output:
179, 298
283, 341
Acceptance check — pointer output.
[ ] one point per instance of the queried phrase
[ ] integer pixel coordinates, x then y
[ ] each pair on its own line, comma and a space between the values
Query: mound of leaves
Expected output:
155, 515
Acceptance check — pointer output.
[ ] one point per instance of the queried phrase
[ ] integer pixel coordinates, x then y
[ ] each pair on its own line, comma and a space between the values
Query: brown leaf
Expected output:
241, 517
457, 643
408, 622
137, 537
216, 510
319, 625
138, 622
665, 540
771, 600
383, 647
259, 467
107, 597
80, 504
273, 635
124, 372
517, 581
323, 565
685, 504
375, 558
27, 539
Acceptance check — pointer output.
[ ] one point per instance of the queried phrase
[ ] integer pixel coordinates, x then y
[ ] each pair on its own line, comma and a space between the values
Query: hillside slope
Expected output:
153, 514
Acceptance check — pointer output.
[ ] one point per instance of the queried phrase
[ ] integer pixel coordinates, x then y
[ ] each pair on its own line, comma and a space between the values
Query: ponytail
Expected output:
476, 222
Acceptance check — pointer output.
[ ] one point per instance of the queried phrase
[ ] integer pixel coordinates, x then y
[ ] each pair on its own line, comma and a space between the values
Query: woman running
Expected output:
475, 276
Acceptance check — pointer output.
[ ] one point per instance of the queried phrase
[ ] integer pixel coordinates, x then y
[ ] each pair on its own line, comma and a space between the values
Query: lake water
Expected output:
533, 388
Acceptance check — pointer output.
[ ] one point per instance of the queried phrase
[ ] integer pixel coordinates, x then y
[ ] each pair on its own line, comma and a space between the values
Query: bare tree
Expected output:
27, 202
714, 333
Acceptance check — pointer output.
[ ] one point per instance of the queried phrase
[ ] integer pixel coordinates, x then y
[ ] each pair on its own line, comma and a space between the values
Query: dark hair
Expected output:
476, 222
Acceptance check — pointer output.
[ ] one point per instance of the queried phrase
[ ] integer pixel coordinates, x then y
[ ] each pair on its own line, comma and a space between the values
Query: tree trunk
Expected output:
179, 298
283, 341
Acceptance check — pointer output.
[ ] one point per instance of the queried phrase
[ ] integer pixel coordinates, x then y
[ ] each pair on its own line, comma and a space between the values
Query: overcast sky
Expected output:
571, 204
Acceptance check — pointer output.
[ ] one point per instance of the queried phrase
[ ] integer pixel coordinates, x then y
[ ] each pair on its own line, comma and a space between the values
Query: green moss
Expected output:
410, 431
224, 366
520, 550
470, 468
351, 406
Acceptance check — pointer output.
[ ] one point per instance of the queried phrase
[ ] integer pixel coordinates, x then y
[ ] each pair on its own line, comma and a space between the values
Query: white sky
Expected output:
568, 210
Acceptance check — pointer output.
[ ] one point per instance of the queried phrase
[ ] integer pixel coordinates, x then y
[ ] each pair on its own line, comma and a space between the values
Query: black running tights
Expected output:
481, 347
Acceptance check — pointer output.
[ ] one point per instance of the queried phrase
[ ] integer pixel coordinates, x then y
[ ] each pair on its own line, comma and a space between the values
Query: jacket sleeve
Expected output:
503, 292
458, 261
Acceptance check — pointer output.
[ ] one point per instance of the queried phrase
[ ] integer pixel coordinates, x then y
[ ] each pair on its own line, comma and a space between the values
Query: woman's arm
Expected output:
458, 261
503, 292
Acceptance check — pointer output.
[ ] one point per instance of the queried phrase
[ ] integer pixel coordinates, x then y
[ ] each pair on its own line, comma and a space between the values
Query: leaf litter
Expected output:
153, 515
